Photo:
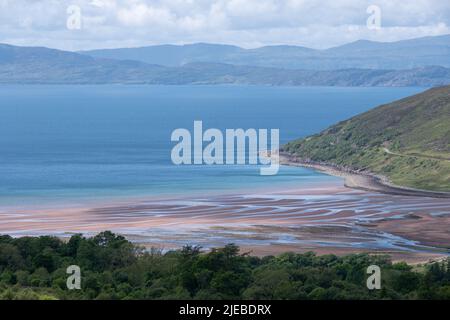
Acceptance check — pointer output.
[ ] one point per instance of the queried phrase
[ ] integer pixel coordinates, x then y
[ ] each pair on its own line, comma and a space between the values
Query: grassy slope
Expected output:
416, 130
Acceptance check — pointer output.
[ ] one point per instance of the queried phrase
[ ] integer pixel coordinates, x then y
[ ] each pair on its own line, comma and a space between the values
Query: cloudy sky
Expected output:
247, 23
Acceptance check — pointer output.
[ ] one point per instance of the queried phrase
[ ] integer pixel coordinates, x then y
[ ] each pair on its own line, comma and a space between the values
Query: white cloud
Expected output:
118, 23
142, 15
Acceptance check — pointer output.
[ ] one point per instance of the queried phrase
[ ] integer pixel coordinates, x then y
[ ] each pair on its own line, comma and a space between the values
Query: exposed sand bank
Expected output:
409, 225
325, 219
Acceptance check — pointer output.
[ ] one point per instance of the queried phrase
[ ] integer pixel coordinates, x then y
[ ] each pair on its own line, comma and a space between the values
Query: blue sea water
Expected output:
61, 144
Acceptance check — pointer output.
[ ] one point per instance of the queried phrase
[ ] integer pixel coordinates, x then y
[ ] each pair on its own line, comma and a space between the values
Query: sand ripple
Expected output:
328, 217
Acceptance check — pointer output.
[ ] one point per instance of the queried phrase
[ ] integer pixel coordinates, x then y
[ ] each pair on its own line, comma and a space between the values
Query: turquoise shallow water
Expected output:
62, 144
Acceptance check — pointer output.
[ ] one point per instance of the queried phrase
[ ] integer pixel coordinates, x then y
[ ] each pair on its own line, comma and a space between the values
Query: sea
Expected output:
75, 144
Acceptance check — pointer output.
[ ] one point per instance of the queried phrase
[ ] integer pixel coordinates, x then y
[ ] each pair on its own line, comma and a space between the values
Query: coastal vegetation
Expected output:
407, 141
114, 268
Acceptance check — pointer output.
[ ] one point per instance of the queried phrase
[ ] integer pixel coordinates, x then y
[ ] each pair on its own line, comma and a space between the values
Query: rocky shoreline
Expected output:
361, 180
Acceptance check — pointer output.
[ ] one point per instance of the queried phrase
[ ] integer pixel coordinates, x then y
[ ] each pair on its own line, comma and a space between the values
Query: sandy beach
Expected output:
360, 213
330, 218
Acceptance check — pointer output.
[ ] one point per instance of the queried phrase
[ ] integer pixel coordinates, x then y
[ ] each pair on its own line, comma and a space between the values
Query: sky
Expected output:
91, 24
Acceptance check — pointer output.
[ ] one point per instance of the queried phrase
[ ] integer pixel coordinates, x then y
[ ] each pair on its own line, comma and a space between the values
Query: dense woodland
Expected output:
114, 268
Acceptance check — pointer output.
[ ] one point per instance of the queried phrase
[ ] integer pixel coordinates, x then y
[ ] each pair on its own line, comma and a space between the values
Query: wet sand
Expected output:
329, 218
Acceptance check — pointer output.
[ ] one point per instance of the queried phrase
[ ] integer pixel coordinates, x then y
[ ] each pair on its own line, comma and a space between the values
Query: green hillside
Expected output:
407, 140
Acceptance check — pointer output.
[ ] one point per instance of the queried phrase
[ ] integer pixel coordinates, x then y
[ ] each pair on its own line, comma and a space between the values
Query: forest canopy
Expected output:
114, 268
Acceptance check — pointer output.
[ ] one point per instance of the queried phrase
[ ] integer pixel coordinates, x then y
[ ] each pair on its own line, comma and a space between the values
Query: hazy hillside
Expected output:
406, 54
42, 65
407, 140
170, 55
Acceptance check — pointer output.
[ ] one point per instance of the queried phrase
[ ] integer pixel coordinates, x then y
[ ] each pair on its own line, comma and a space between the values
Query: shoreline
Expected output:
327, 219
360, 180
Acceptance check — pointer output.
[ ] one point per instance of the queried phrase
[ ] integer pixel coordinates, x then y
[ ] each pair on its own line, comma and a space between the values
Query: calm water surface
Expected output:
72, 144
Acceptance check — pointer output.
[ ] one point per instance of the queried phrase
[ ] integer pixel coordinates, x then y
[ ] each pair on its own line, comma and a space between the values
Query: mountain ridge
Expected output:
40, 65
404, 54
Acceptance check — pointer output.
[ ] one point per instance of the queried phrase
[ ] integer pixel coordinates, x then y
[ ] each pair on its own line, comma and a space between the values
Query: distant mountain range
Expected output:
363, 54
178, 65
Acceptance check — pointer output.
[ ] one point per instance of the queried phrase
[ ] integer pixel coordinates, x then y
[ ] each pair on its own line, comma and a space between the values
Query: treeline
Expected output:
114, 268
